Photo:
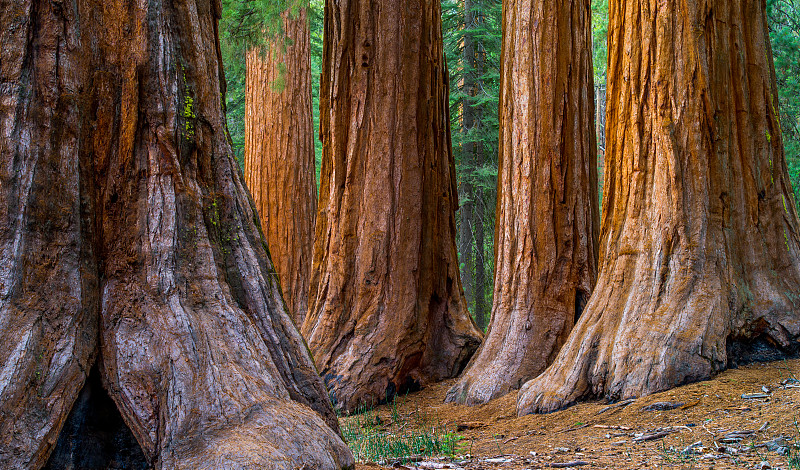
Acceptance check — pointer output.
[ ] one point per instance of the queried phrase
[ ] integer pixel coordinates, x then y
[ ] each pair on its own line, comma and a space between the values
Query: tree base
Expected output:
609, 357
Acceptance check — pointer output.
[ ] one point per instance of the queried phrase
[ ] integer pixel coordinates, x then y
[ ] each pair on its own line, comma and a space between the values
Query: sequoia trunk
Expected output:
127, 232
279, 156
547, 209
700, 232
388, 312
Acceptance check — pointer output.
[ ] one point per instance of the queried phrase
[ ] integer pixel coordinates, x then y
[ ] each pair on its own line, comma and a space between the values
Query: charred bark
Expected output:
279, 156
388, 310
700, 233
127, 232
547, 209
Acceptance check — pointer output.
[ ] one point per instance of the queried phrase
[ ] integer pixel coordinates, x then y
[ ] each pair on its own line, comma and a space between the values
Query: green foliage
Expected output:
600, 64
248, 24
315, 14
794, 451
475, 85
371, 440
599, 40
784, 22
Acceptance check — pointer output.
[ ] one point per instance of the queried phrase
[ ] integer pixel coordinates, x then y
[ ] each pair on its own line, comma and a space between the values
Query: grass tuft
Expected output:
407, 437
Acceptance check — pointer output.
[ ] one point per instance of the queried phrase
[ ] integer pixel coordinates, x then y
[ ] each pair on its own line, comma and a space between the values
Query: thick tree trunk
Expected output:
387, 311
701, 251
547, 209
123, 207
49, 297
279, 156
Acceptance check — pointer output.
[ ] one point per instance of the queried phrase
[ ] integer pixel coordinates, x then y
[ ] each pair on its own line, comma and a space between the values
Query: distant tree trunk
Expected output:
475, 154
466, 226
388, 312
466, 240
701, 262
123, 207
547, 208
600, 117
481, 314
279, 156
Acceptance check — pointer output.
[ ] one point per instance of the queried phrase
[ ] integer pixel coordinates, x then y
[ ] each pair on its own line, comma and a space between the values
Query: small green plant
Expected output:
372, 441
794, 452
395, 412
676, 455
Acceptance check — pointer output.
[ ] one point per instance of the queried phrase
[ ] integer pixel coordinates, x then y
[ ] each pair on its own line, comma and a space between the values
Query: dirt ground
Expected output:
714, 427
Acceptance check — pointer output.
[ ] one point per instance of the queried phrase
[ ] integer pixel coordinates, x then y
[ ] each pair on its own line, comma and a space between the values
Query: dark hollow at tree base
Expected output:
95, 437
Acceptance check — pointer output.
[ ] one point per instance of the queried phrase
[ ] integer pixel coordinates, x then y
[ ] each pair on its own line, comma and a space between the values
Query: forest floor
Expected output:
743, 418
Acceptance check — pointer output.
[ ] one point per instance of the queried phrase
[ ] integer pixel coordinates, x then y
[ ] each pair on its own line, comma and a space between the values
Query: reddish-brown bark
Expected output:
279, 156
122, 207
701, 249
387, 309
547, 209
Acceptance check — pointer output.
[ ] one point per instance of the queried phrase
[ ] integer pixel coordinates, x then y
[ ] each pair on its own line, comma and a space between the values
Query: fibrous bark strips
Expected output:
279, 155
547, 207
121, 206
387, 310
700, 243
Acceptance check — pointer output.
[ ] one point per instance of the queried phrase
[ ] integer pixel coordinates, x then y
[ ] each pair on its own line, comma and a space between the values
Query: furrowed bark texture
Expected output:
49, 297
388, 311
700, 233
124, 208
547, 210
279, 156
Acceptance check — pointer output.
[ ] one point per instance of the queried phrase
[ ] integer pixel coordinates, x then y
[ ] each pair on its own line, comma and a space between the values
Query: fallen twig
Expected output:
576, 428
690, 405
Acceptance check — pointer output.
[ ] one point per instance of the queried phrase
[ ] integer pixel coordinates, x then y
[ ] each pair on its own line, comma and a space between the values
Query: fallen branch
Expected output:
654, 436
576, 463
620, 404
606, 426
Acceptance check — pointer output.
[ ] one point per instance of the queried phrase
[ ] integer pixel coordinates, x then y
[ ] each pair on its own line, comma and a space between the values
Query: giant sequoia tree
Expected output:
128, 238
547, 211
279, 155
387, 310
701, 250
